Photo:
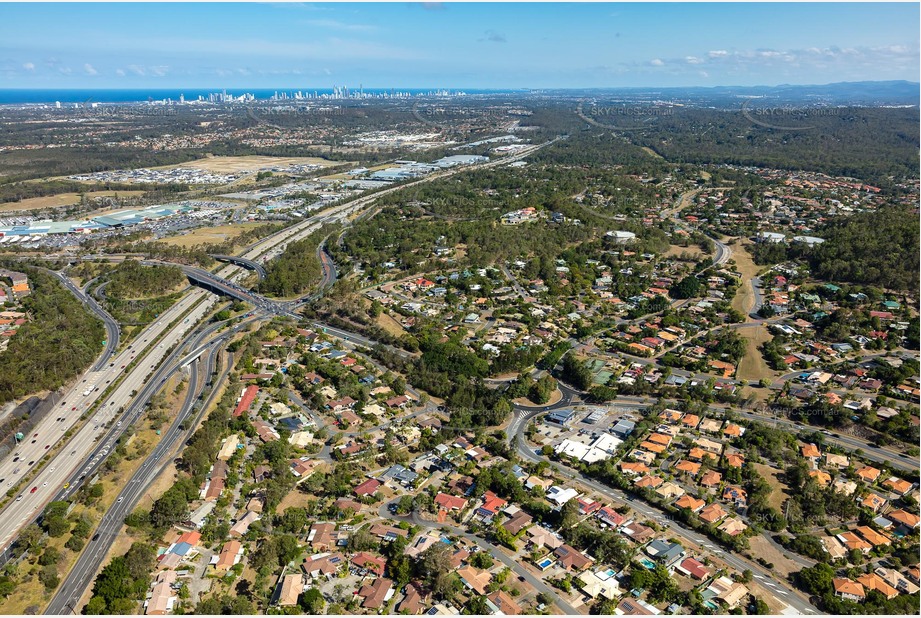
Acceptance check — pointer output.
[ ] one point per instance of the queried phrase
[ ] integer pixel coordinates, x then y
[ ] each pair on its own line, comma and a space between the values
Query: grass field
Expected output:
60, 200
779, 491
692, 250
752, 366
209, 235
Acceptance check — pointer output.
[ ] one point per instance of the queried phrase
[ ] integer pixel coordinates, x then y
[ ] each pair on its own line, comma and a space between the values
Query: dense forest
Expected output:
132, 280
296, 269
60, 339
871, 248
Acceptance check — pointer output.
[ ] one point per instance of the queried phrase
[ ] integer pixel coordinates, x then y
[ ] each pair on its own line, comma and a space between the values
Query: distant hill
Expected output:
876, 94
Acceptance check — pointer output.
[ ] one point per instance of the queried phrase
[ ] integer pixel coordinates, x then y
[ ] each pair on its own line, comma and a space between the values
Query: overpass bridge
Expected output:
248, 264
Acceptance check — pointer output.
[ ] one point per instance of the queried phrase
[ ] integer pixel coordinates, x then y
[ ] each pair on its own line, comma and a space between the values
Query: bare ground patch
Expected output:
779, 490
209, 235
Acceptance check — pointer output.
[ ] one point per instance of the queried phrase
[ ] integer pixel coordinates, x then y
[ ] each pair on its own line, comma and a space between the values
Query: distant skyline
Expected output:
458, 46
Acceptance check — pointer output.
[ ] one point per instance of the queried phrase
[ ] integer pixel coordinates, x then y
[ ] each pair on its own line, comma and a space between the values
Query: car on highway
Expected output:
45, 484
47, 446
66, 485
119, 499
34, 489
20, 497
31, 462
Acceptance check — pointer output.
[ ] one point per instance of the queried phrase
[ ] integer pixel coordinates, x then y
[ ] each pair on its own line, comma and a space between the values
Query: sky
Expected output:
453, 45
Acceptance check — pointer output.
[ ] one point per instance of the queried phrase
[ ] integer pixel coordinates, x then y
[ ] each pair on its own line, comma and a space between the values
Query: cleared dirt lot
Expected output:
209, 235
60, 200
252, 163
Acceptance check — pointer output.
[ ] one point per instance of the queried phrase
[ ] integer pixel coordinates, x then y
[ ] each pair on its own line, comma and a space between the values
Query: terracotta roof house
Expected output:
873, 502
848, 589
873, 537
649, 482
905, 518
868, 474
872, 581
367, 488
897, 485
688, 467
638, 532
821, 477
689, 502
811, 451
450, 503
502, 604
369, 562
474, 578
231, 553
712, 513
693, 568
734, 460
711, 478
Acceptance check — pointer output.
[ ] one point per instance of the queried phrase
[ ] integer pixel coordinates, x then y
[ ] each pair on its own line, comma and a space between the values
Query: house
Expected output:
848, 589
688, 467
387, 533
324, 564
873, 502
162, 598
897, 485
873, 537
541, 537
518, 522
322, 536
811, 451
711, 478
474, 578
868, 474
736, 495
346, 504
242, 525
369, 562
664, 552
691, 503
852, 542
638, 532
570, 559
231, 553
872, 581
450, 503
560, 496
629, 606
909, 520
598, 583
501, 604
693, 568
492, 504
412, 602
840, 462
246, 400
289, 589
367, 488
733, 527
610, 517
422, 543
376, 593
712, 513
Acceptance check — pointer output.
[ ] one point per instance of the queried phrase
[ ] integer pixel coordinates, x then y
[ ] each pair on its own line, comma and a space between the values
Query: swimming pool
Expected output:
646, 562
546, 562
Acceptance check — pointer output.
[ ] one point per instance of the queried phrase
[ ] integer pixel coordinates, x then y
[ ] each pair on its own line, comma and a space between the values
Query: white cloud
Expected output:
718, 53
139, 71
692, 60
492, 36
656, 62
89, 69
159, 71
28, 66
120, 72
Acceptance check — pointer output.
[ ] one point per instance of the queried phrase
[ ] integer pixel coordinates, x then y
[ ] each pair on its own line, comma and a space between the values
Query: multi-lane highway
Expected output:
81, 575
146, 353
